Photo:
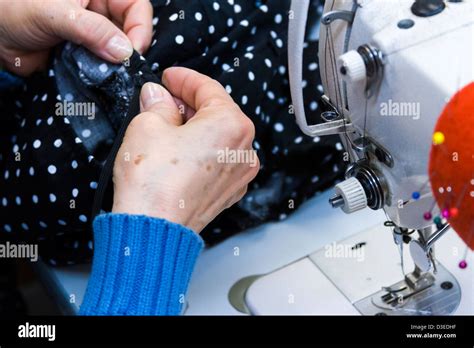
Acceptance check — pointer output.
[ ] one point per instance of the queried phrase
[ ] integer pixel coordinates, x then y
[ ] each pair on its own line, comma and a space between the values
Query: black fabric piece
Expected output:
107, 170
133, 110
47, 196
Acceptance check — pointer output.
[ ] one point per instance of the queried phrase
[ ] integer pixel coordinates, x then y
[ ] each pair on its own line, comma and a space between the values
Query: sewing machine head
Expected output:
388, 70
397, 78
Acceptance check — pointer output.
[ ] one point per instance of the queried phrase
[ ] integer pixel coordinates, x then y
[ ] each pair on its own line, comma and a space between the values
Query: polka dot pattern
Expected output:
240, 43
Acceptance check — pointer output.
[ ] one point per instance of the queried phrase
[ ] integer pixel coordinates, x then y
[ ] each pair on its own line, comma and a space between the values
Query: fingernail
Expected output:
164, 77
119, 48
151, 94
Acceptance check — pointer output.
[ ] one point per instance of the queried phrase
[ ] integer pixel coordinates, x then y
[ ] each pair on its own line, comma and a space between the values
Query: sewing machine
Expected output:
388, 70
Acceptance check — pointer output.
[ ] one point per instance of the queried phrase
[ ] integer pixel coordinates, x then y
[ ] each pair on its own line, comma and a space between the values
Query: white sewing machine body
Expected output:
388, 69
332, 282
423, 67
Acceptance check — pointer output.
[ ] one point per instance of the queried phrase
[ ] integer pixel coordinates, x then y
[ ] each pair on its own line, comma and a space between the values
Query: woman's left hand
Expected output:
109, 28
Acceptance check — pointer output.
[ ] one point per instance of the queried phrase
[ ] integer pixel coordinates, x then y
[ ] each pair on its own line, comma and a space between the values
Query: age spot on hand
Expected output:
138, 159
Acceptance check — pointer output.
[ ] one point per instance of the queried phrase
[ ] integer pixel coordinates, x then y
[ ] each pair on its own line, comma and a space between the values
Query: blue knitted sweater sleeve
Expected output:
141, 266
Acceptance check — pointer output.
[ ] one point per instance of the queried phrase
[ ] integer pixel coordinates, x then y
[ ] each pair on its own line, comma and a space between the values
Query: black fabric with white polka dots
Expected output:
46, 195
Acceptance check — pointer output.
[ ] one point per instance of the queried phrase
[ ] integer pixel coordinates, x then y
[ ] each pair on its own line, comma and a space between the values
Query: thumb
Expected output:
156, 99
92, 30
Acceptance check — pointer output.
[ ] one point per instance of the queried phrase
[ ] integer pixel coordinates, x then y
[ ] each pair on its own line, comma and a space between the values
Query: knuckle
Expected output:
250, 128
91, 30
212, 82
245, 127
239, 128
84, 28
214, 101
142, 121
138, 120
254, 170
243, 192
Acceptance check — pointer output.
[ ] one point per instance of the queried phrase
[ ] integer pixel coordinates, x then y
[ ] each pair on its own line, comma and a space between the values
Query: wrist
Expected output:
156, 210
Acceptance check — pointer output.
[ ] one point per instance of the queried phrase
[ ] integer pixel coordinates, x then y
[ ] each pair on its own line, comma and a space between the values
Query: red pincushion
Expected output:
452, 163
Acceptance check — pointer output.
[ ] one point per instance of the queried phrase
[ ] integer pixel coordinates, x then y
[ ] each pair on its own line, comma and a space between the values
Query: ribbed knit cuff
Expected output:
141, 266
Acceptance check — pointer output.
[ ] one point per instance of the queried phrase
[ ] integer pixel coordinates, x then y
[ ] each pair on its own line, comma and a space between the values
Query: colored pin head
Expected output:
451, 164
427, 216
438, 138
415, 195
453, 212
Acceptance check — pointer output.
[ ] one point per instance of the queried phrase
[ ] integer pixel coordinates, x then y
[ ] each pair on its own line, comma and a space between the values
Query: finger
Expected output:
102, 7
26, 63
90, 29
137, 23
156, 99
184, 109
195, 89
134, 16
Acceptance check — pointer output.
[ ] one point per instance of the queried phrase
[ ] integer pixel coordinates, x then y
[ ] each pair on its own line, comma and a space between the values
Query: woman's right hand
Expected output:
172, 163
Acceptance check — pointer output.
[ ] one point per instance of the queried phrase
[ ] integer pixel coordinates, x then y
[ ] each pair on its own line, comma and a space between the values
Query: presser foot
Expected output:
358, 275
417, 294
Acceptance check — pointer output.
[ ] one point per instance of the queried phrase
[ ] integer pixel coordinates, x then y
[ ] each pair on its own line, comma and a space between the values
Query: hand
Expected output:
29, 28
174, 170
